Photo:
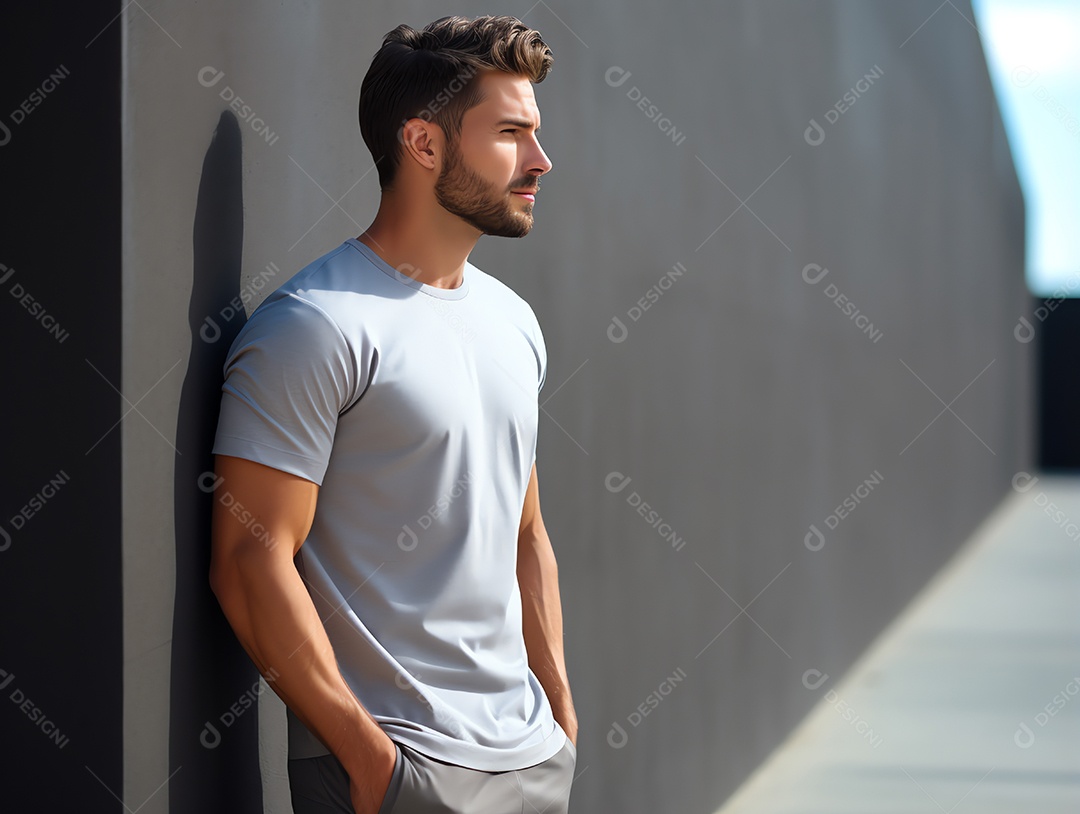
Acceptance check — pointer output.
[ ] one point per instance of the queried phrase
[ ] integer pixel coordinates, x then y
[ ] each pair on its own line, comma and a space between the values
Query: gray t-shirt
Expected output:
415, 409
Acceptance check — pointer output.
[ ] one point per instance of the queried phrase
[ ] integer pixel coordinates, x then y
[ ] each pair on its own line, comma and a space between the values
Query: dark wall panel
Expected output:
1055, 325
60, 271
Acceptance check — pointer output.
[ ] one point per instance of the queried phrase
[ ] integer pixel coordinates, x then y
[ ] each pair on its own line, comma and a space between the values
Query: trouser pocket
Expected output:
393, 791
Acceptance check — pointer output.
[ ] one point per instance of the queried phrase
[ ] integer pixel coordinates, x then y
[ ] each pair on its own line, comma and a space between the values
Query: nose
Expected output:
537, 163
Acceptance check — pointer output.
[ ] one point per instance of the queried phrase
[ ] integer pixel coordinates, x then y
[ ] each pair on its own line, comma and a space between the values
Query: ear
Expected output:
420, 141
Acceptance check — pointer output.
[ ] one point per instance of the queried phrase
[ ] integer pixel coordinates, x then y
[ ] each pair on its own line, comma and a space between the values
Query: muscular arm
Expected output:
538, 579
261, 518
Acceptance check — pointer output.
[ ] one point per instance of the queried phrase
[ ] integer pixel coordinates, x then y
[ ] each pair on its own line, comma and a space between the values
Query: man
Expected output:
379, 422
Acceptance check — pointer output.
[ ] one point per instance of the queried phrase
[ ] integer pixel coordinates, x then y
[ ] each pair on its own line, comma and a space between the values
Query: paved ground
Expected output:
970, 701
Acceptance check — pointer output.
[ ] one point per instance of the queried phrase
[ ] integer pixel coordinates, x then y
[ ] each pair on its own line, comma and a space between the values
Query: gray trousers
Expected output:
423, 785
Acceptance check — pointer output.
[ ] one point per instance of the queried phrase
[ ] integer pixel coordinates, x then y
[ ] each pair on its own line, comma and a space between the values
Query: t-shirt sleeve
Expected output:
541, 361
288, 377
541, 355
543, 365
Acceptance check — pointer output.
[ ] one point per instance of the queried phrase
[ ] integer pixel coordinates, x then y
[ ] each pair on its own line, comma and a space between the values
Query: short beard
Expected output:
463, 192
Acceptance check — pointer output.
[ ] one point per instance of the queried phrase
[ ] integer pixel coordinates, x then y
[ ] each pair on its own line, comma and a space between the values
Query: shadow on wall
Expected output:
213, 727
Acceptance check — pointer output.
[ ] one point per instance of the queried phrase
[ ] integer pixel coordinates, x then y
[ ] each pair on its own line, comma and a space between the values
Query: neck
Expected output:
421, 240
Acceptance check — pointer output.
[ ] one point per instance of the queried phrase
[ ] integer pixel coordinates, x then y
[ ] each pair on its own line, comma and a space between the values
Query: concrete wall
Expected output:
743, 406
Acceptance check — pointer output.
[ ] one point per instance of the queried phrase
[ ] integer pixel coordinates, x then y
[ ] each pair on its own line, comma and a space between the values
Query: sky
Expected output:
1033, 52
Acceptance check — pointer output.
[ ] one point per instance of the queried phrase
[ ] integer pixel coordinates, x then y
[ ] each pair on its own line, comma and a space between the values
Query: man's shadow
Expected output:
213, 726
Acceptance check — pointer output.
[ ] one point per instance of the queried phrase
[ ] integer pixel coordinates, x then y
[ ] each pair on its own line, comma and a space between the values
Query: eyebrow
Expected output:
517, 123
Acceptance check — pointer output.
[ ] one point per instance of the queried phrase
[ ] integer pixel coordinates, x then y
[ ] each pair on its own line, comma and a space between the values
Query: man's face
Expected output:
495, 160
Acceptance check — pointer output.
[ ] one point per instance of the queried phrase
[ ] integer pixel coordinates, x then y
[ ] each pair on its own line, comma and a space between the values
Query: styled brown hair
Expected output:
432, 75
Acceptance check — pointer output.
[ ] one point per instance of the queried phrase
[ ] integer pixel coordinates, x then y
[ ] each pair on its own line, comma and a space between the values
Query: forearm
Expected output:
542, 625
273, 616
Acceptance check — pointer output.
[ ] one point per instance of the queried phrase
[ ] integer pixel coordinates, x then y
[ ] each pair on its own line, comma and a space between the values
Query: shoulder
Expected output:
317, 297
504, 297
296, 319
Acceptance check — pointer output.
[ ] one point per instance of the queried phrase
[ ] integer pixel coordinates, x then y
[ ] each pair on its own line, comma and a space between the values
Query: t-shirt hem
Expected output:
273, 457
448, 750
475, 756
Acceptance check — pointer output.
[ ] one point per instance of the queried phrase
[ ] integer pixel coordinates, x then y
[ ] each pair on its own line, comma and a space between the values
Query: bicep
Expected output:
257, 507
531, 531
532, 523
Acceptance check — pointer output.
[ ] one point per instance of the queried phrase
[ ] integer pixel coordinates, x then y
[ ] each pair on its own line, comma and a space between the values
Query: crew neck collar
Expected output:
432, 291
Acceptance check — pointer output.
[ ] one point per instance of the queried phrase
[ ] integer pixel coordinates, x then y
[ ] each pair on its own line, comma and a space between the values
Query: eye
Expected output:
511, 130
